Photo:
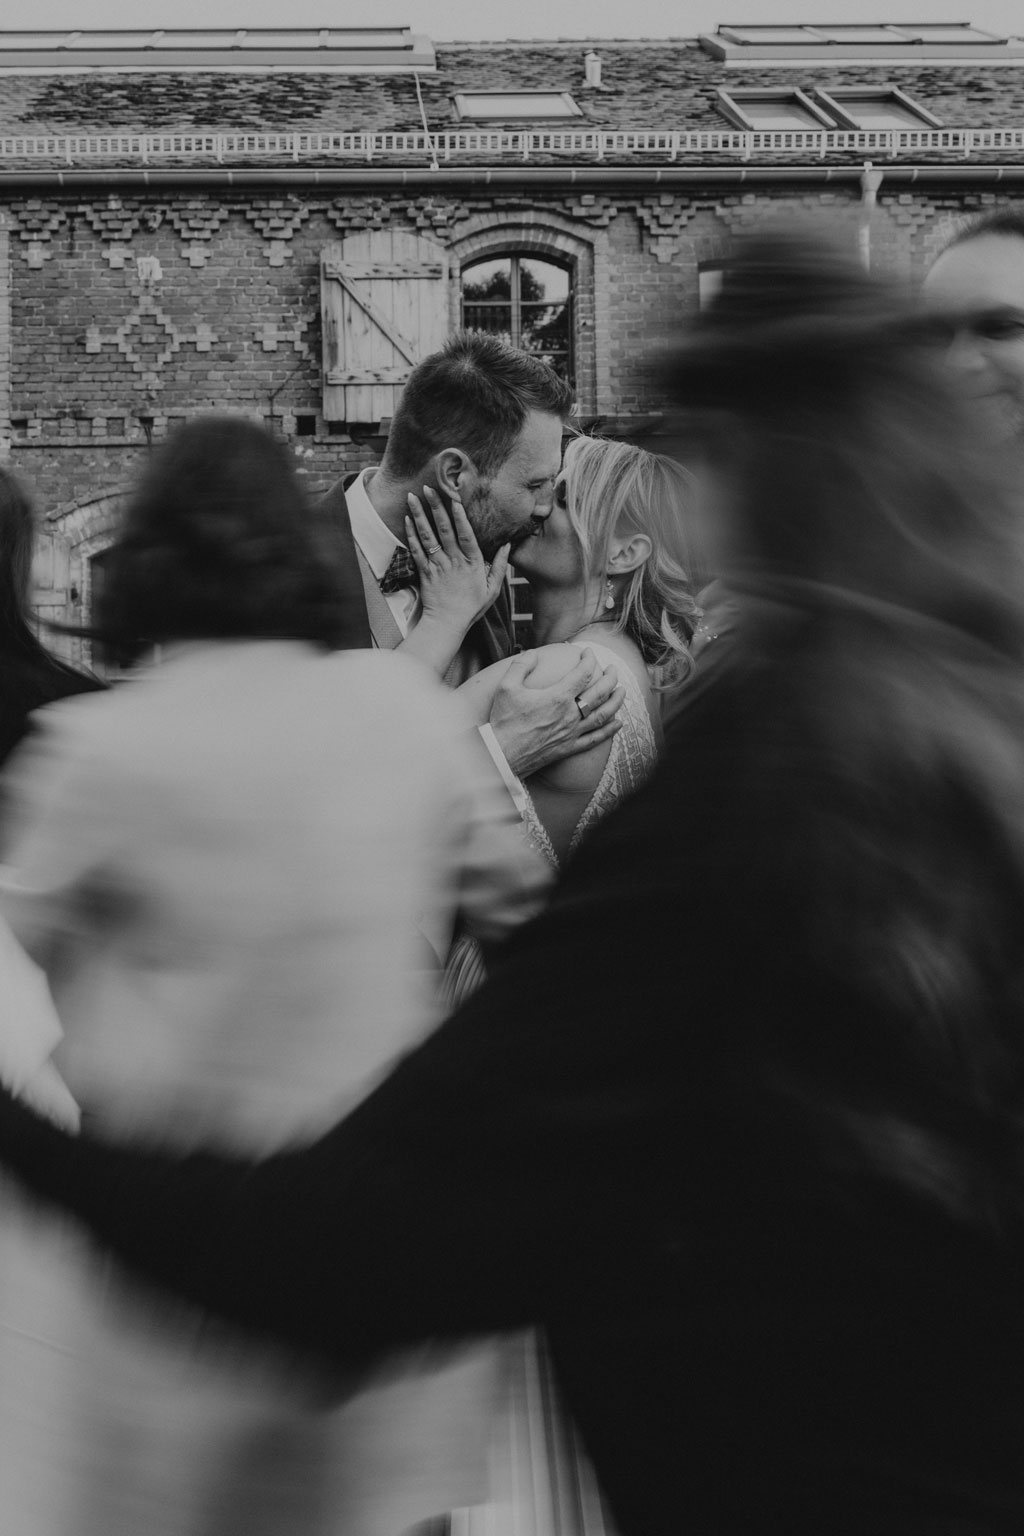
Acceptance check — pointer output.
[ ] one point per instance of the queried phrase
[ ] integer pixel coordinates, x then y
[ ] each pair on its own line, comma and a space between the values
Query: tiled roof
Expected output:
654, 85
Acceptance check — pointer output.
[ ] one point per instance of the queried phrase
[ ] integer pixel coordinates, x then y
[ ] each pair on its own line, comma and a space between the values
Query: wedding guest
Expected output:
975, 292
739, 1118
240, 872
29, 675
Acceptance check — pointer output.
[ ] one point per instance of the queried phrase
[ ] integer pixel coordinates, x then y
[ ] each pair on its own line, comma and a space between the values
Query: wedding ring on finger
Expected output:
435, 549
583, 713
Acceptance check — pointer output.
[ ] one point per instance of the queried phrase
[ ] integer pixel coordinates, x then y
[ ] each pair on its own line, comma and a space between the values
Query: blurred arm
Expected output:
519, 1152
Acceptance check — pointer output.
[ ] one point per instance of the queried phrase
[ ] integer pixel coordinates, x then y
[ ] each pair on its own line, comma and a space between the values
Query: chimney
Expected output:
592, 69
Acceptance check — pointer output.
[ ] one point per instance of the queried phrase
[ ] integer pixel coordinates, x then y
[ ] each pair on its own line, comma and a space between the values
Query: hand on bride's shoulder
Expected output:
626, 651
553, 662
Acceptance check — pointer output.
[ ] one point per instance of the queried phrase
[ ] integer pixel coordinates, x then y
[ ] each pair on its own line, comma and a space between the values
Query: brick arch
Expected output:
553, 237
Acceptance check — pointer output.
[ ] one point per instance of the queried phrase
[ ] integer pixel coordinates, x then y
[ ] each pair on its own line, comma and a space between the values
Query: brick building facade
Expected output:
283, 236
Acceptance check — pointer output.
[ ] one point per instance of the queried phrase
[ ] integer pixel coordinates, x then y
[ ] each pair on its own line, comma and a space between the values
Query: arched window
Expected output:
527, 301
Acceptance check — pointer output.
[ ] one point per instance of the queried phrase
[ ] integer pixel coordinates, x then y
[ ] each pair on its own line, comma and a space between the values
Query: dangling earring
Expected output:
609, 600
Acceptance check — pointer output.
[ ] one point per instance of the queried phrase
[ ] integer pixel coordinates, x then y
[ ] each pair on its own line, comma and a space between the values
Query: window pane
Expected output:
206, 40
939, 34
859, 34
488, 280
772, 34
523, 104
485, 317
778, 114
541, 280
879, 113
537, 318
281, 40
393, 37
545, 328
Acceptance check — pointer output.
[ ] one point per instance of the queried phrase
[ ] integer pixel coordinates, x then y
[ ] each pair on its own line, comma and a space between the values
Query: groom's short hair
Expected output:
475, 395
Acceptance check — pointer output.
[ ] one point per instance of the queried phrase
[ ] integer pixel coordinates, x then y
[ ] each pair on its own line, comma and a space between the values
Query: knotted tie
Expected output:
401, 572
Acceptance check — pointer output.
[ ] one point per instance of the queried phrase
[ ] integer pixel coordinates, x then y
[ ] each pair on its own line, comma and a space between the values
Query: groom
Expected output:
482, 423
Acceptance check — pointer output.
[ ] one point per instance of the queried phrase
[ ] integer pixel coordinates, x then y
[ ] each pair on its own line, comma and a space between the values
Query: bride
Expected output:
609, 568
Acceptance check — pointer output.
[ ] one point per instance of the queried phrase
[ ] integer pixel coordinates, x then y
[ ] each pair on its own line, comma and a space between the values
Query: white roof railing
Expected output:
498, 144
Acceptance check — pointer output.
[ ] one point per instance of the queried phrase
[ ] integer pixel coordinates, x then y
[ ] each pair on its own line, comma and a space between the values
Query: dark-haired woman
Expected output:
239, 870
29, 675
740, 1118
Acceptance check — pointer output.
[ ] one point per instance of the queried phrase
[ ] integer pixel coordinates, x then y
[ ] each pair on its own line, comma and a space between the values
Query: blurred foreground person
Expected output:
239, 871
29, 675
739, 1118
975, 292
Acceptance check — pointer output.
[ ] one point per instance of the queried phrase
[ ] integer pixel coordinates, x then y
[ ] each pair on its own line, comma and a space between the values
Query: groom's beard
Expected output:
492, 527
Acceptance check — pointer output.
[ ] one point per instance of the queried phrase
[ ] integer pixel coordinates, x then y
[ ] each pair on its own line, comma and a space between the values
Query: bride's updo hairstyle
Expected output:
616, 489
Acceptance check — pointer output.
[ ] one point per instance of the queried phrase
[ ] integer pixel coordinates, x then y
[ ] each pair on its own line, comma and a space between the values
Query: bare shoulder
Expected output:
622, 648
553, 663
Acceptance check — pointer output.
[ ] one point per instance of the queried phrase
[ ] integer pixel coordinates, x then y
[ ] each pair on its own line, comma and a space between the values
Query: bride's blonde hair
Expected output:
614, 488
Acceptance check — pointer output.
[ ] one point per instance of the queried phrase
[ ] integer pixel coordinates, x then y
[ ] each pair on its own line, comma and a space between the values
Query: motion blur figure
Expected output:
29, 675
744, 1107
240, 870
975, 291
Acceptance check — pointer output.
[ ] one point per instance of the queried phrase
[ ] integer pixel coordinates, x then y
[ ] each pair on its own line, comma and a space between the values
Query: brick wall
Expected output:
129, 314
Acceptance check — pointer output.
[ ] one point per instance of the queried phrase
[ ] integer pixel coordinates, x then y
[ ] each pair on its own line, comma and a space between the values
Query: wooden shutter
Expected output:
385, 307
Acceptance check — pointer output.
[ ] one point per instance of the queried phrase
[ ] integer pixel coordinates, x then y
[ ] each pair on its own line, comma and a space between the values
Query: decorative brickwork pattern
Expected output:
436, 215
148, 339
277, 221
351, 213
271, 336
664, 217
593, 208
37, 223
116, 223
196, 222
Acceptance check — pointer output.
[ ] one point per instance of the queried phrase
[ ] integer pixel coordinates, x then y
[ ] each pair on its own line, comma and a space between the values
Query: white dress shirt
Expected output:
377, 545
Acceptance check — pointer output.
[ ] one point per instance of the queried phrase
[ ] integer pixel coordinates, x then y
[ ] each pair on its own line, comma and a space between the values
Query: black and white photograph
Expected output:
511, 768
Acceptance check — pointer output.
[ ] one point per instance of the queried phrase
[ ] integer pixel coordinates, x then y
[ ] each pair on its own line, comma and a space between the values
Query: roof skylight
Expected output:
499, 106
347, 49
860, 42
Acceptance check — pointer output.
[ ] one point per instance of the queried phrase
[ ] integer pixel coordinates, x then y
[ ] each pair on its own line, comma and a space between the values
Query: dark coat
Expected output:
699, 1124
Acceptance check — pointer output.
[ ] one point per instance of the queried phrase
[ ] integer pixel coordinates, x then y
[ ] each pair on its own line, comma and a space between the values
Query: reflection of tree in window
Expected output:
527, 302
